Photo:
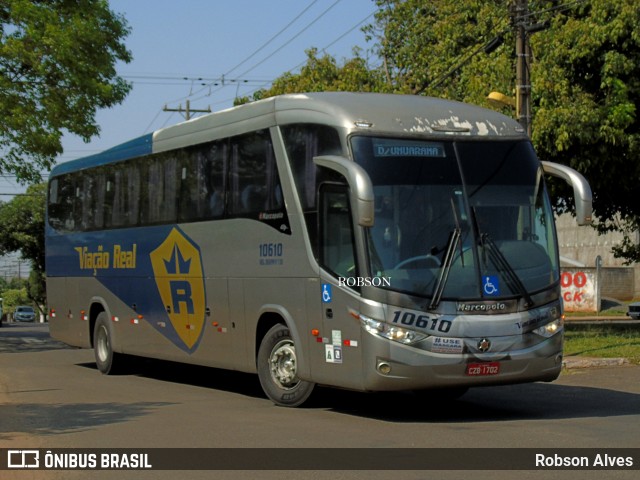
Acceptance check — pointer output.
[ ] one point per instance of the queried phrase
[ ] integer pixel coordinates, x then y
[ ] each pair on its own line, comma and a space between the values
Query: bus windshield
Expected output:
459, 220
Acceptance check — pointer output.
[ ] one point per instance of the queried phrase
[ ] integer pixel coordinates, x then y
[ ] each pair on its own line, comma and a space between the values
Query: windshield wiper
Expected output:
511, 277
438, 289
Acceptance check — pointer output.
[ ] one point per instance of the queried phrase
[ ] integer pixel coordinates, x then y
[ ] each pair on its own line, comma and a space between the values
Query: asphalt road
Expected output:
52, 396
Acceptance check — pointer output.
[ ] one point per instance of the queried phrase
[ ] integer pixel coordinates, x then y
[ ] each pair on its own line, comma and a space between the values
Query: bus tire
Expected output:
277, 369
106, 358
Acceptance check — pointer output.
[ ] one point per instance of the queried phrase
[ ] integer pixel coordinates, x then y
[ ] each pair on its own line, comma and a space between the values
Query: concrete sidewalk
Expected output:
576, 362
606, 319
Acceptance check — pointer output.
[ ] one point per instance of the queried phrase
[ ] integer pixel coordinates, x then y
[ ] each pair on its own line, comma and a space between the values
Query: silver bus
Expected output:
361, 241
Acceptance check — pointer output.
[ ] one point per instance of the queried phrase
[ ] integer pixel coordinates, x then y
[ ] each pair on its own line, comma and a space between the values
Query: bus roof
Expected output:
370, 112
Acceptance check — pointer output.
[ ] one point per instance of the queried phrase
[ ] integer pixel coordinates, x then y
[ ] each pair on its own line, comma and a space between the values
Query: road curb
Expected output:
575, 362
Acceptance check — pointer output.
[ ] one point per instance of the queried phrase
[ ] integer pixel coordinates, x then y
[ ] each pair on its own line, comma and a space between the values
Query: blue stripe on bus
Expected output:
134, 148
123, 261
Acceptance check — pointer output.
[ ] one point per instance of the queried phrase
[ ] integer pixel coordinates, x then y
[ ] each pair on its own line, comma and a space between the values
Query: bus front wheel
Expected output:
278, 369
106, 358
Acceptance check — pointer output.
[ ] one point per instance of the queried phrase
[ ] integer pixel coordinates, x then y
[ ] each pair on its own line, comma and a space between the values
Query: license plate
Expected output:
482, 369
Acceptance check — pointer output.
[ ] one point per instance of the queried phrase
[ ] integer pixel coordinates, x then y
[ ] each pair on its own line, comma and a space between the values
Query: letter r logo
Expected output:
177, 268
181, 295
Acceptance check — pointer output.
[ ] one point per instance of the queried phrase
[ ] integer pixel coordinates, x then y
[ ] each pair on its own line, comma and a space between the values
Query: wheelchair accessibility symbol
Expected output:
326, 293
491, 285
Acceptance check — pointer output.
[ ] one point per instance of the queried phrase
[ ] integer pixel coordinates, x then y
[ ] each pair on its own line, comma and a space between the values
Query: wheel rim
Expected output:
102, 345
283, 364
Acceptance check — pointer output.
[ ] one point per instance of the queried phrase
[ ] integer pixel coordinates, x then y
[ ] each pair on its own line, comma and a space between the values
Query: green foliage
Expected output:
22, 225
323, 74
22, 230
12, 298
603, 342
57, 67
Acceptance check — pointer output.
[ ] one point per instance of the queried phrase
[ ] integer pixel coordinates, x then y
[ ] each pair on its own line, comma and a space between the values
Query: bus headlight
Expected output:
384, 330
551, 328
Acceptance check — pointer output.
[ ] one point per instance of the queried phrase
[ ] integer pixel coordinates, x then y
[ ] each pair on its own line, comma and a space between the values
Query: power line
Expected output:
273, 37
305, 28
293, 38
324, 49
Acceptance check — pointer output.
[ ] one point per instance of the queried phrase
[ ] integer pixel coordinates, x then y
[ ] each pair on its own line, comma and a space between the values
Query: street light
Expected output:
498, 99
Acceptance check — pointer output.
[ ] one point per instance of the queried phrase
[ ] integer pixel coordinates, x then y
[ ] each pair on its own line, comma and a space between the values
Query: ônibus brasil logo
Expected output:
177, 268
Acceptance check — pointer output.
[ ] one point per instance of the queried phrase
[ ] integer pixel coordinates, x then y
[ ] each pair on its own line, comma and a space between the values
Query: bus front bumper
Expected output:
399, 367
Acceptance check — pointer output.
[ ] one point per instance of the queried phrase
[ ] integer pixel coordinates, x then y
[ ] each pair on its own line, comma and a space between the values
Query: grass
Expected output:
603, 341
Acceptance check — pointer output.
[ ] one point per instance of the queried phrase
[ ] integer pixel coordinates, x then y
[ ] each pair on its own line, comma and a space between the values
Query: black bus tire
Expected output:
107, 361
277, 369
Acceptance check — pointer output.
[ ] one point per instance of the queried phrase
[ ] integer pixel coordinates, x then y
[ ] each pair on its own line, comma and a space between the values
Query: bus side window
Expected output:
336, 231
87, 204
61, 203
216, 171
203, 172
160, 191
125, 208
255, 184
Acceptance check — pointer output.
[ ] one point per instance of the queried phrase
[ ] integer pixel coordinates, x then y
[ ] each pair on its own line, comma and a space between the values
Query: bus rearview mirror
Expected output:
362, 200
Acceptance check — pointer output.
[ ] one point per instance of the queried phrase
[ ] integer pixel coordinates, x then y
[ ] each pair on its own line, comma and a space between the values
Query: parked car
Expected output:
634, 310
24, 314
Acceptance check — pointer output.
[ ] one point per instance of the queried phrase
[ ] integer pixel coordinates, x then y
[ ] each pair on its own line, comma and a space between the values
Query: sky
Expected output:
182, 49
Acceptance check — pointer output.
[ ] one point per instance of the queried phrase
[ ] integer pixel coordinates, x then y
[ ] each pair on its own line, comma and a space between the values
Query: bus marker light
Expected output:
140, 317
315, 332
135, 321
115, 319
350, 343
222, 329
215, 324
161, 324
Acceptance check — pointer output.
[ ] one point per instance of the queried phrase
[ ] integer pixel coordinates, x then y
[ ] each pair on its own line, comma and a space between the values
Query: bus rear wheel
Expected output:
278, 369
106, 359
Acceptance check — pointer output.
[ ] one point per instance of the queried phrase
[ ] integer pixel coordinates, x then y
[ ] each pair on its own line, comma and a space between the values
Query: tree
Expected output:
322, 74
22, 230
57, 67
12, 298
585, 78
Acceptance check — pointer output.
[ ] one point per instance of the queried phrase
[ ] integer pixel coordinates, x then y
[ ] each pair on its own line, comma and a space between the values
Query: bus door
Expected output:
338, 354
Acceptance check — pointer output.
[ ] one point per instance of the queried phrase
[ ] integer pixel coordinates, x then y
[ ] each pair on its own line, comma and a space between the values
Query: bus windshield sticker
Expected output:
491, 285
385, 148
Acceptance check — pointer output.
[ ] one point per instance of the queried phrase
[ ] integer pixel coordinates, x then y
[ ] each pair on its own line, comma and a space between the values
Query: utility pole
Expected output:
519, 15
187, 111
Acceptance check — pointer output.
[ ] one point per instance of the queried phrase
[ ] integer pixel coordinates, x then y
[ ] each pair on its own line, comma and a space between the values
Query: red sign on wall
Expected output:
579, 290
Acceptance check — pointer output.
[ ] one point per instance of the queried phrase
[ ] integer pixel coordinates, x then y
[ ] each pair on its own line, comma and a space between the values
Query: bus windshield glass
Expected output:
459, 220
